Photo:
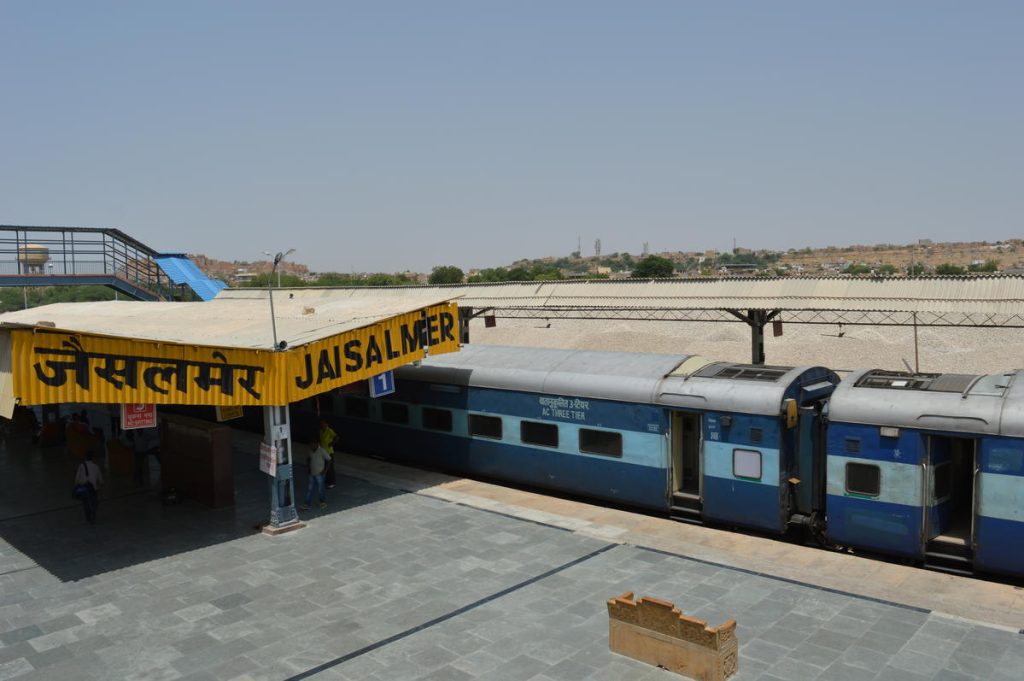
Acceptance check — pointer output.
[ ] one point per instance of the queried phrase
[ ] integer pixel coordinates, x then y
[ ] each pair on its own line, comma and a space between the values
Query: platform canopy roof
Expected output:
219, 352
983, 300
235, 319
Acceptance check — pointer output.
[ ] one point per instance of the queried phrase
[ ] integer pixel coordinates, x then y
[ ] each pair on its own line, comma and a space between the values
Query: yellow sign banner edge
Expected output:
52, 366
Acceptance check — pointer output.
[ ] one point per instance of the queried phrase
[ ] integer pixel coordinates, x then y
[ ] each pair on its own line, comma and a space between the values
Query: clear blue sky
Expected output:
394, 135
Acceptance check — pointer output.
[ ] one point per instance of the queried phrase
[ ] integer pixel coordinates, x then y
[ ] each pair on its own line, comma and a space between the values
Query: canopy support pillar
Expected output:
756, 320
277, 433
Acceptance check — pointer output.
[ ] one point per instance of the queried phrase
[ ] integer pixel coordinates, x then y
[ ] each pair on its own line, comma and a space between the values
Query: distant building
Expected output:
242, 277
738, 268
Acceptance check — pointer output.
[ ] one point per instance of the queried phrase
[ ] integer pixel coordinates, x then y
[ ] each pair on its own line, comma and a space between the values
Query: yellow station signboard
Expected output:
51, 366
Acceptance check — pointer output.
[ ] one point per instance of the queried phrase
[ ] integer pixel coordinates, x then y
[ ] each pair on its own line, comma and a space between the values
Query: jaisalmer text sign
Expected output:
61, 367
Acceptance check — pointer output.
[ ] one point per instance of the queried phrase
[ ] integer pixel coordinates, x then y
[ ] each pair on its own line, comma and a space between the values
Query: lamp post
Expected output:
277, 259
277, 435
270, 288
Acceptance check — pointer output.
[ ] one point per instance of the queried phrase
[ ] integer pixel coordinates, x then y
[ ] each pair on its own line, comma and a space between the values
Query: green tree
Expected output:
13, 298
948, 268
490, 274
519, 274
857, 268
885, 269
287, 281
987, 266
545, 273
653, 267
915, 270
446, 274
384, 279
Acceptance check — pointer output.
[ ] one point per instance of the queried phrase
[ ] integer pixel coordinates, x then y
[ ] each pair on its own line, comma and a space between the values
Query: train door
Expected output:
686, 469
949, 502
810, 470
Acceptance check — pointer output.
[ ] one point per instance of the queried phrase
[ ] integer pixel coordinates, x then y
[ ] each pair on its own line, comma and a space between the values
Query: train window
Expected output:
1006, 460
852, 445
533, 433
485, 426
601, 442
746, 464
393, 412
357, 407
863, 478
756, 435
437, 419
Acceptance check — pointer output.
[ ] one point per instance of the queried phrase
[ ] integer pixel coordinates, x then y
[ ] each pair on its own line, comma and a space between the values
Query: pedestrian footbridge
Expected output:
87, 256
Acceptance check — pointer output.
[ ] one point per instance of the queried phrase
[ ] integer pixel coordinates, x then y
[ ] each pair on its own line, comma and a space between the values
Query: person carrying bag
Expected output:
87, 481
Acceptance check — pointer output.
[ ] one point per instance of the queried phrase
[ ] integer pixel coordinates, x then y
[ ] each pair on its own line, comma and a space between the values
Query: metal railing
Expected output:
37, 253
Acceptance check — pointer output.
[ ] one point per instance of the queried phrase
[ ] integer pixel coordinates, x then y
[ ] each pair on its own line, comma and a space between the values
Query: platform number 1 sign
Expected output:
382, 384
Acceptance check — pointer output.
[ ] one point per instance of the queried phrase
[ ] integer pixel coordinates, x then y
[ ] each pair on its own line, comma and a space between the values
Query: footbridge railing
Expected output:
79, 256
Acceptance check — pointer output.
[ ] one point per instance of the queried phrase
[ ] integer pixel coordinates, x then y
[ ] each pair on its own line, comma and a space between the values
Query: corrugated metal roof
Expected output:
982, 295
231, 321
181, 270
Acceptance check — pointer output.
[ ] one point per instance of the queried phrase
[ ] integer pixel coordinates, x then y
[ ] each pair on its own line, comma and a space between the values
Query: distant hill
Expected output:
229, 271
923, 257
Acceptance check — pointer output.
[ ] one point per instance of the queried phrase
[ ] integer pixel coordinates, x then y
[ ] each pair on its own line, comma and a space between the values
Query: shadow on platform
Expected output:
42, 527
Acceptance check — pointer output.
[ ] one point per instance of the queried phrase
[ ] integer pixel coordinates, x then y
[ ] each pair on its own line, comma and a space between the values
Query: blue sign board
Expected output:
382, 384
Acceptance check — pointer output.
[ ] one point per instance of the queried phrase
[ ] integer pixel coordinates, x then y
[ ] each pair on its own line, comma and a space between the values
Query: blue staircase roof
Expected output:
181, 270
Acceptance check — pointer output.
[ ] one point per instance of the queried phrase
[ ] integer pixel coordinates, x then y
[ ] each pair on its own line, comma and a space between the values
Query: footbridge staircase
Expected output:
87, 256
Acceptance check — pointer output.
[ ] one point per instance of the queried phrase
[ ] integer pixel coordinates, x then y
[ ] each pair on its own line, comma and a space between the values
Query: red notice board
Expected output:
138, 416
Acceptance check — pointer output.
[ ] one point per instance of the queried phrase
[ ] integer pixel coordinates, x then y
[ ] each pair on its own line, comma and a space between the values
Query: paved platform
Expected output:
413, 575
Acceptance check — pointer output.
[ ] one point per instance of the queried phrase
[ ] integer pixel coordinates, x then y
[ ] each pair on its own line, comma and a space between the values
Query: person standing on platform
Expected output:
90, 477
327, 437
317, 465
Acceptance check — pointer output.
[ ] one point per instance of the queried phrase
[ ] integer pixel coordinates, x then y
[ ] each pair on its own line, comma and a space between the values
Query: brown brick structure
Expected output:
658, 633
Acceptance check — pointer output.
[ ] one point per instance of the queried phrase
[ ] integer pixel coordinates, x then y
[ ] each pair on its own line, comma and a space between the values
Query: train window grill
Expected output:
746, 464
393, 412
485, 426
852, 445
437, 419
756, 435
543, 434
357, 407
864, 479
601, 442
744, 372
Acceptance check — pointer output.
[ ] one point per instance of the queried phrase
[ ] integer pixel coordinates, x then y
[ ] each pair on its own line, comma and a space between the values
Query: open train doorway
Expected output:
686, 470
950, 502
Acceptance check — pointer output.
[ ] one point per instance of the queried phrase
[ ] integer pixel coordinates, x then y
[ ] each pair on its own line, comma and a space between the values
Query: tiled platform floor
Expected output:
387, 585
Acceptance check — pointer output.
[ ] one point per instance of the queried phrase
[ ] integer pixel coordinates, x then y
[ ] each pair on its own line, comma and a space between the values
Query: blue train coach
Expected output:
929, 467
727, 442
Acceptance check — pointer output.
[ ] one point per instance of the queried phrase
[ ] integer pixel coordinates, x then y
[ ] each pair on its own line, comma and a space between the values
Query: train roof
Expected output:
680, 380
625, 376
744, 388
972, 403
